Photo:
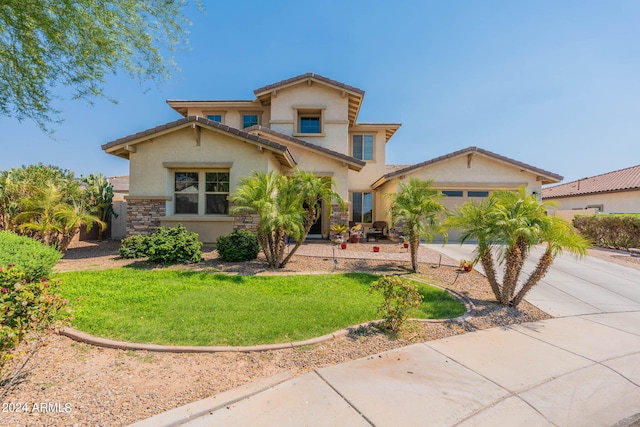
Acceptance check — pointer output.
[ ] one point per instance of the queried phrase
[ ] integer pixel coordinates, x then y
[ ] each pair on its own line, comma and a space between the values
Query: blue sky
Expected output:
554, 84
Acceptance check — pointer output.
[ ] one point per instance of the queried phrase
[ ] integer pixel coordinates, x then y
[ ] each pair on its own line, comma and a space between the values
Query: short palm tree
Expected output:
280, 214
510, 223
417, 208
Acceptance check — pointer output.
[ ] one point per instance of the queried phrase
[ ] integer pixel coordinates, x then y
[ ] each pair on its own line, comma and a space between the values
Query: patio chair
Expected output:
377, 230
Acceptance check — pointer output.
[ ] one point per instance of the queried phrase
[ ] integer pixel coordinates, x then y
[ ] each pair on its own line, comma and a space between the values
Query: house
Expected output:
183, 171
612, 192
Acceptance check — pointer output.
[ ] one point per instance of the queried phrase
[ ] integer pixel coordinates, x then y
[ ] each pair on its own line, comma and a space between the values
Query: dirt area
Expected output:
103, 387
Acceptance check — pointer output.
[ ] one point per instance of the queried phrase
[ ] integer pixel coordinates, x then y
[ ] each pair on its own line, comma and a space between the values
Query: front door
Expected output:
316, 228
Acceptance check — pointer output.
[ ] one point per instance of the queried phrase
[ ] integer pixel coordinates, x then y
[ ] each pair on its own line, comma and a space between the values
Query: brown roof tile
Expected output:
620, 180
258, 128
306, 76
189, 119
467, 150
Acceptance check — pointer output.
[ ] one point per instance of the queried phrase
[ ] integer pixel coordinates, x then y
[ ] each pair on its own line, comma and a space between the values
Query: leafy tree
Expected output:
416, 207
286, 207
509, 224
99, 198
78, 44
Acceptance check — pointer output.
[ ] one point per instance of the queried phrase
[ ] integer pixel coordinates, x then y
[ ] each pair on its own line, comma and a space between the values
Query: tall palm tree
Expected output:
417, 208
510, 224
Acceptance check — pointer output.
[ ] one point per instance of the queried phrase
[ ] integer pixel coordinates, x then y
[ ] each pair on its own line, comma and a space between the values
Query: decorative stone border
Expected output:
123, 345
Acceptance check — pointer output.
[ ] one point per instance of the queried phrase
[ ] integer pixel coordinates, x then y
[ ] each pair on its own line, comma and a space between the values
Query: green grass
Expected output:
188, 308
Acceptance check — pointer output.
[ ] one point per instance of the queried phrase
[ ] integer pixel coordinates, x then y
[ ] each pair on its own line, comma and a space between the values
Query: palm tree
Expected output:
99, 195
47, 217
312, 190
417, 208
510, 223
274, 199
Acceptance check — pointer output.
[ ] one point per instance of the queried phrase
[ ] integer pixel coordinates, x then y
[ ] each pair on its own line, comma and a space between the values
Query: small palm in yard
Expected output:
286, 206
416, 205
510, 223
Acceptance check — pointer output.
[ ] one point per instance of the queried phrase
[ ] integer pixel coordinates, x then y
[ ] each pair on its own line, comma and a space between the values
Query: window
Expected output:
215, 118
478, 193
452, 193
209, 199
310, 124
249, 120
362, 204
363, 147
216, 192
186, 189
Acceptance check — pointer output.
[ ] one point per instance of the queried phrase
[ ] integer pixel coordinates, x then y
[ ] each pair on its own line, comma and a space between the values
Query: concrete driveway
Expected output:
572, 287
582, 369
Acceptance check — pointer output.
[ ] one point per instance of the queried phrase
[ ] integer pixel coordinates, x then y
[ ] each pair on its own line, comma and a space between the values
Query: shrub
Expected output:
610, 231
31, 257
399, 297
174, 245
25, 306
136, 246
241, 245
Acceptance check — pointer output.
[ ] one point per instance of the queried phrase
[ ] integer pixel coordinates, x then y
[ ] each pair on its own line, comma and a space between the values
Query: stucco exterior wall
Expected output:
335, 114
322, 166
375, 168
620, 202
232, 116
152, 177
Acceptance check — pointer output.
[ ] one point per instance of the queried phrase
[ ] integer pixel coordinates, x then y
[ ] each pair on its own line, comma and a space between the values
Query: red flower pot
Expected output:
376, 249
406, 245
468, 267
343, 246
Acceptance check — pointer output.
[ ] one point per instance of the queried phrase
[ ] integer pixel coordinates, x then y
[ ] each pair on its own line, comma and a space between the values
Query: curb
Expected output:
189, 412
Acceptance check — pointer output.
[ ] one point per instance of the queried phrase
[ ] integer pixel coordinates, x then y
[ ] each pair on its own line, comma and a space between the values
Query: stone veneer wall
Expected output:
245, 220
337, 217
143, 215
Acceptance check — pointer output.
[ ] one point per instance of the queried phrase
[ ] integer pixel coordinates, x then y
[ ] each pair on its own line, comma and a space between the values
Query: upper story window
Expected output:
310, 124
363, 147
201, 193
249, 120
309, 121
215, 118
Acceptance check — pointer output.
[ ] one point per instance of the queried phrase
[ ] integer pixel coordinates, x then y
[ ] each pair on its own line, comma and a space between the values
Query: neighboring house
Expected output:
613, 192
184, 171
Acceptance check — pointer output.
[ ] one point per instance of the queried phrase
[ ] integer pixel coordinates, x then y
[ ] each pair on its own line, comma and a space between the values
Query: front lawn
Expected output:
188, 308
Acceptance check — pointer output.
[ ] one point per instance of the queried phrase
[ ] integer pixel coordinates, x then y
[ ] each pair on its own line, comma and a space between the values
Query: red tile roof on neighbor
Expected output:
620, 180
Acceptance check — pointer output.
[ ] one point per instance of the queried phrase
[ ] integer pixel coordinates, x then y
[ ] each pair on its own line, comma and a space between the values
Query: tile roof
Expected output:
304, 77
195, 119
620, 180
480, 151
393, 168
261, 129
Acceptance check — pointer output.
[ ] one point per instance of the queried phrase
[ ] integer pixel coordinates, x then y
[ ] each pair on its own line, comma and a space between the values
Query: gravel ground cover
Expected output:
83, 385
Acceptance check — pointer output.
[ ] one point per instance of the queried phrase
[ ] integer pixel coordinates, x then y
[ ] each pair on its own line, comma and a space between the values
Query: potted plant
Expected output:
355, 233
405, 241
340, 230
466, 265
376, 249
343, 245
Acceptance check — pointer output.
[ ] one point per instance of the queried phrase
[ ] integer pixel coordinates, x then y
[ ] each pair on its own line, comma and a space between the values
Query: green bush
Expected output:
610, 231
31, 257
399, 297
25, 306
136, 246
174, 246
241, 245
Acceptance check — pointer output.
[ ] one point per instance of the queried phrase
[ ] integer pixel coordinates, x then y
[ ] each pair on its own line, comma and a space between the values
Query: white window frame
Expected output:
202, 193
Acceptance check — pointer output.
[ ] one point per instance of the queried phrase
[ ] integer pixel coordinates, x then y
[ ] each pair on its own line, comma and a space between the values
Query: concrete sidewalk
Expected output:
582, 369
567, 372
